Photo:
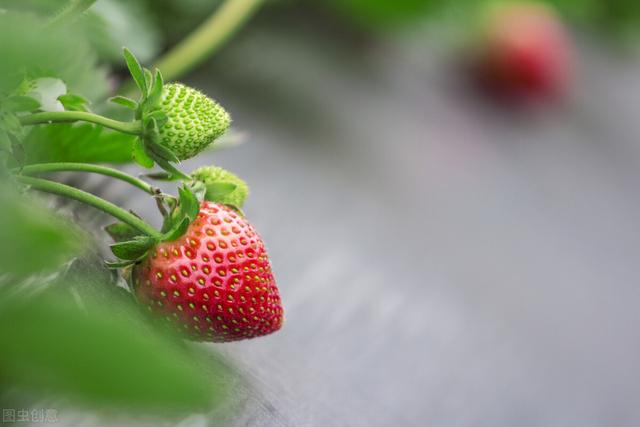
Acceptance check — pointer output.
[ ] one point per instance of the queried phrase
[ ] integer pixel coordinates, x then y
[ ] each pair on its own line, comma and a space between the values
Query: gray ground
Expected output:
442, 263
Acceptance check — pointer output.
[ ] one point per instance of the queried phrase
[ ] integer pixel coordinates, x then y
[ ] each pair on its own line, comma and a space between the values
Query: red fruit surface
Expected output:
526, 52
215, 282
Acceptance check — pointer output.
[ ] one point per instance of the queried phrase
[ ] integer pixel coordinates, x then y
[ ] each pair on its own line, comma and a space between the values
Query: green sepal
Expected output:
124, 101
20, 103
159, 116
140, 156
217, 190
161, 176
115, 265
149, 125
189, 205
177, 231
121, 232
153, 146
161, 151
182, 214
199, 189
73, 102
154, 149
148, 78
169, 167
136, 71
155, 94
133, 249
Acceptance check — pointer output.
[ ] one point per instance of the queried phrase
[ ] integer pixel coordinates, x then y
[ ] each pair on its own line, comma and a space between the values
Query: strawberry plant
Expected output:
204, 275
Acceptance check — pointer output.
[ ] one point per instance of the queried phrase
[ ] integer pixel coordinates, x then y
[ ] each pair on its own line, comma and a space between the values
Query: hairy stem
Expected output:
71, 11
88, 167
134, 128
207, 38
91, 200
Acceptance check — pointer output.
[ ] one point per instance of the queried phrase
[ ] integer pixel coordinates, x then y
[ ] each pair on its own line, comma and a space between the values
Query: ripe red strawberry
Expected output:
215, 282
525, 52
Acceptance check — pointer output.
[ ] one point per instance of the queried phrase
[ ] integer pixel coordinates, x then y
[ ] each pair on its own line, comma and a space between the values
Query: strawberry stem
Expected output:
70, 11
88, 167
207, 38
91, 200
134, 128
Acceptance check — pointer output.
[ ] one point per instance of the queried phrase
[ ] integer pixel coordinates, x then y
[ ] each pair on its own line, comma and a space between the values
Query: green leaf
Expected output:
5, 141
103, 358
34, 239
80, 142
111, 24
133, 249
189, 204
11, 123
47, 92
383, 14
19, 103
58, 52
73, 102
124, 101
121, 232
136, 71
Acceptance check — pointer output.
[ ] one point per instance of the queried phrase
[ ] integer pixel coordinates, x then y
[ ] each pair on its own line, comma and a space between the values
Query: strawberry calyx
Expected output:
222, 186
131, 247
177, 121
212, 184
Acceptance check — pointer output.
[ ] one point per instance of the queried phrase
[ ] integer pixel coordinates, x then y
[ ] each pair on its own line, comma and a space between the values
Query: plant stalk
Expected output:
91, 200
133, 128
71, 11
87, 167
207, 38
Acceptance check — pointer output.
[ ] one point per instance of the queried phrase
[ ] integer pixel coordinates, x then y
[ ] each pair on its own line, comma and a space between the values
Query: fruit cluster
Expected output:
206, 271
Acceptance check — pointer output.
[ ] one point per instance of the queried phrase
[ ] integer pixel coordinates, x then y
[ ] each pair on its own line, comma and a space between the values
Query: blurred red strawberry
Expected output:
525, 52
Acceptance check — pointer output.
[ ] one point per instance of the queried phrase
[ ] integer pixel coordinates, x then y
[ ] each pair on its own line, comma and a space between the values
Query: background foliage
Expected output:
62, 335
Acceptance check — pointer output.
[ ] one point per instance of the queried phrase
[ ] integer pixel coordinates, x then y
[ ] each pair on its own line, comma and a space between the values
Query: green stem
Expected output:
70, 11
91, 200
87, 167
134, 128
207, 38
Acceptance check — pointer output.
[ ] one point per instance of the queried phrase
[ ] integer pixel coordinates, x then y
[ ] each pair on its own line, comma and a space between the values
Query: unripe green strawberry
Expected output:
211, 175
194, 120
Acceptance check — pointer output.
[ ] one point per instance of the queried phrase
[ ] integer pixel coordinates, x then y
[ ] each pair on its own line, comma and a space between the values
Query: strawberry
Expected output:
193, 120
525, 53
214, 177
214, 282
